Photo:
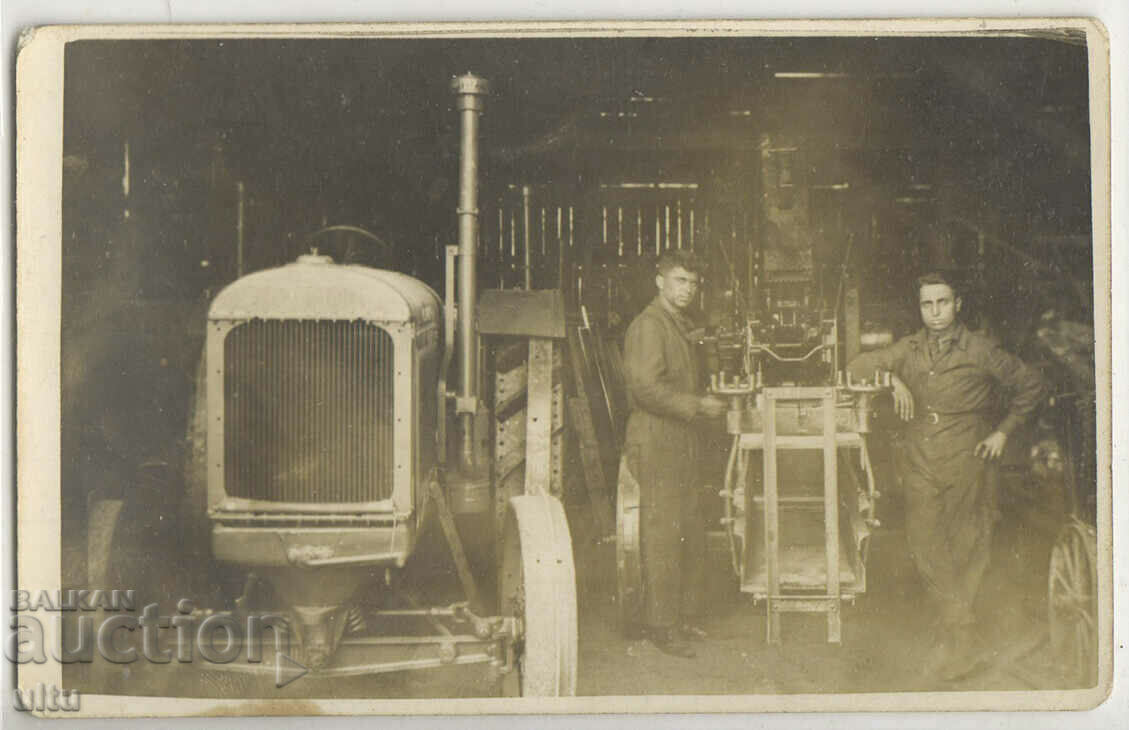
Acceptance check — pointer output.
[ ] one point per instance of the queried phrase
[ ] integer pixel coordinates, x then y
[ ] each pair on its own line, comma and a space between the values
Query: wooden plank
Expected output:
509, 444
794, 500
538, 313
593, 468
852, 319
509, 386
539, 416
509, 353
799, 392
511, 395
602, 367
749, 554
771, 520
591, 456
780, 575
803, 604
831, 516
509, 449
801, 568
617, 381
756, 441
615, 364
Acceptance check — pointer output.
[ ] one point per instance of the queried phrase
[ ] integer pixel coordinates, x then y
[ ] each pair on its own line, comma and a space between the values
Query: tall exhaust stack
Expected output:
469, 90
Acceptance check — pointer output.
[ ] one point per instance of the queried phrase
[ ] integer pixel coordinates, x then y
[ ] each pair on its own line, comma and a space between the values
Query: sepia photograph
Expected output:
624, 367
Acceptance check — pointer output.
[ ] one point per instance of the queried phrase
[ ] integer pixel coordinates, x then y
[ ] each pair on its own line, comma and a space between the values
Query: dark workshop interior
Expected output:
859, 161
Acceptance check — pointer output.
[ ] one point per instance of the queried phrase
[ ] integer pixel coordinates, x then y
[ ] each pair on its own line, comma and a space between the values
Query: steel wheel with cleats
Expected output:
537, 586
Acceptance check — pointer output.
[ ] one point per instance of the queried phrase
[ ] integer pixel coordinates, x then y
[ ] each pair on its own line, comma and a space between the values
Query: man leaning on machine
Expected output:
947, 384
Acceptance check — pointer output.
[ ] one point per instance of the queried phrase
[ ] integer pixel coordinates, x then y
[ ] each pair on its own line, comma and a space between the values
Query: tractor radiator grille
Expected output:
308, 411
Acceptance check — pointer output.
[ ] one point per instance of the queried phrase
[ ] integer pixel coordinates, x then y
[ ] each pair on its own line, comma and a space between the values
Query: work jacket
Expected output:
661, 372
951, 494
968, 378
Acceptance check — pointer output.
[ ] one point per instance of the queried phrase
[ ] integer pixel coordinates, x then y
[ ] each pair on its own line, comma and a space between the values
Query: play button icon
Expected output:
286, 670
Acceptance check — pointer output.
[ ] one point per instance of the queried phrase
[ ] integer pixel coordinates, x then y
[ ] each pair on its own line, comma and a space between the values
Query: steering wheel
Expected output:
382, 250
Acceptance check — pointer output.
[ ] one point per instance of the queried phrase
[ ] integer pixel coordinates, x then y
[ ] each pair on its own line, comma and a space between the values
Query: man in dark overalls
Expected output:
948, 382
661, 451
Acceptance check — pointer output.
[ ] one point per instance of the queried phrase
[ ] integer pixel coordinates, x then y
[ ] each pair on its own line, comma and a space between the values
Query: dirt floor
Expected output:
885, 635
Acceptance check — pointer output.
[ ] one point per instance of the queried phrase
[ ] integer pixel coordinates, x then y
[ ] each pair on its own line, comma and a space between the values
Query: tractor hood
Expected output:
313, 287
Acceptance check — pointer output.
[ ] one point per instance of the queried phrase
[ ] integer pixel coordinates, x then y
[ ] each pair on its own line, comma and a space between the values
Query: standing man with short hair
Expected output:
662, 452
947, 384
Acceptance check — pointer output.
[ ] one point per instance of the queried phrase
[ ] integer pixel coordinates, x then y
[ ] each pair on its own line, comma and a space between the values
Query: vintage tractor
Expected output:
325, 442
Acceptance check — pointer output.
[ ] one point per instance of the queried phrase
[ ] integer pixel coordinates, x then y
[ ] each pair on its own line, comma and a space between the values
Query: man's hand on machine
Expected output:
992, 447
711, 406
903, 399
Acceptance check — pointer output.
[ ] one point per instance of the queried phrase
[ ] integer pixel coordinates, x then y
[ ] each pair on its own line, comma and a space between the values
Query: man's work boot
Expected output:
667, 641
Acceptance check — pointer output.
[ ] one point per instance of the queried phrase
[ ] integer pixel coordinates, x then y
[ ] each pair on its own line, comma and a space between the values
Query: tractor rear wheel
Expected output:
537, 585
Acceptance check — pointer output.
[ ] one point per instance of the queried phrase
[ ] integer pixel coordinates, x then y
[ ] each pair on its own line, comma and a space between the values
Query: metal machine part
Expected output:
312, 374
628, 555
322, 641
785, 341
470, 91
320, 433
322, 410
813, 523
1072, 602
799, 535
798, 527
